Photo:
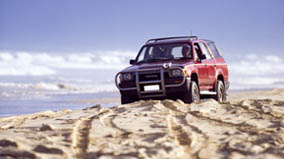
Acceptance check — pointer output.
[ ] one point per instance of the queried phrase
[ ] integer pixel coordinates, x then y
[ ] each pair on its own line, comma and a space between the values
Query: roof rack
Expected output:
178, 37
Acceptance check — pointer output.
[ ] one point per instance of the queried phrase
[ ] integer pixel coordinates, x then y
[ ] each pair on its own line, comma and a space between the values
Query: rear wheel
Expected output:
192, 93
220, 92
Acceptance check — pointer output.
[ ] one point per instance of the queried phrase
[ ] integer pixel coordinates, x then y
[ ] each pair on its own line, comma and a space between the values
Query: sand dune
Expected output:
250, 125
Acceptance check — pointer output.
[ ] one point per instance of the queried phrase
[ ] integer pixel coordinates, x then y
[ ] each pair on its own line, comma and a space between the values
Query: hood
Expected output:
180, 63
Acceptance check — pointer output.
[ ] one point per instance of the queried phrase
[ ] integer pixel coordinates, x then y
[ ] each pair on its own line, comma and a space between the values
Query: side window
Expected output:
205, 51
197, 50
214, 50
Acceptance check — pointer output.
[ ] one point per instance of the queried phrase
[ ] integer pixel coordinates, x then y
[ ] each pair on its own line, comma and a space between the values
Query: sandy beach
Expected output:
249, 125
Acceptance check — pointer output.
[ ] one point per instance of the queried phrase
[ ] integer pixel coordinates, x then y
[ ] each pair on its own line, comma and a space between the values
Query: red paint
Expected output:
207, 70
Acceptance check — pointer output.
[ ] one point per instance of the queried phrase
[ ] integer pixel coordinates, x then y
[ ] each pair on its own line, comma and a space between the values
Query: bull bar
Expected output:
155, 93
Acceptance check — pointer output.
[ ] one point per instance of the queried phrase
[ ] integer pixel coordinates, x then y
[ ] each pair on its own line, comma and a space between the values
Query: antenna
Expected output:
190, 32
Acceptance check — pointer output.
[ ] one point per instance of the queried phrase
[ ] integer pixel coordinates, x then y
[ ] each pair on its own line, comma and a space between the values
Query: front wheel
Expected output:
220, 92
192, 93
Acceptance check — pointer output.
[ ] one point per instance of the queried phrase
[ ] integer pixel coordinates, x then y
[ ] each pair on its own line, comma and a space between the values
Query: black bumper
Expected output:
171, 92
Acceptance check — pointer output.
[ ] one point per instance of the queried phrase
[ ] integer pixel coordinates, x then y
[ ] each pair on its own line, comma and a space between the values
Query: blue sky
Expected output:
238, 27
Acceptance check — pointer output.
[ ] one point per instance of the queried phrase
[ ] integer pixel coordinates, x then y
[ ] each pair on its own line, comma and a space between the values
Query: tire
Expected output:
192, 93
220, 92
126, 99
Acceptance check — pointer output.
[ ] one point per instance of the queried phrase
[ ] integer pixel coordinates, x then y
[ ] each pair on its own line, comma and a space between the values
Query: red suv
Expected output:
175, 68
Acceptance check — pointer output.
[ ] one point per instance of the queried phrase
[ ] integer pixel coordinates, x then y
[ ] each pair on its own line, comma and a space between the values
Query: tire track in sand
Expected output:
185, 135
80, 134
192, 139
107, 121
188, 136
257, 107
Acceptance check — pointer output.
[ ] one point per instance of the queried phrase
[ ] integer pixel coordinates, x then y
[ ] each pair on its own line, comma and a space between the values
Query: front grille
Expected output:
166, 75
127, 84
149, 76
151, 79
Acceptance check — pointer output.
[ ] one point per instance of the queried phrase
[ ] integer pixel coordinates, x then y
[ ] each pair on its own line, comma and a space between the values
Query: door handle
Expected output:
205, 65
214, 65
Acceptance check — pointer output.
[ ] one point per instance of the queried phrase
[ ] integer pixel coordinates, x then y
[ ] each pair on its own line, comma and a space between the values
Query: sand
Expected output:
249, 125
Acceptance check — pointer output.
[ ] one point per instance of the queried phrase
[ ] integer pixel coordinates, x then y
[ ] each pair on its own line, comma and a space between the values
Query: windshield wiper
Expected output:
153, 59
182, 58
158, 59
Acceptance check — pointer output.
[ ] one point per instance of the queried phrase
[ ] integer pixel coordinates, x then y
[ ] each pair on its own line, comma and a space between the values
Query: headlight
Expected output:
177, 73
126, 77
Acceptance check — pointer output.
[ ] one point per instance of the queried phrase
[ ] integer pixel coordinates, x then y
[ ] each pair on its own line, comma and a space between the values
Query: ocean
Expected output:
32, 82
36, 81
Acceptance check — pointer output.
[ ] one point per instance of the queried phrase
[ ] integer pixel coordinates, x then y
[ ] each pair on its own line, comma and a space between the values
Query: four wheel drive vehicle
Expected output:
175, 68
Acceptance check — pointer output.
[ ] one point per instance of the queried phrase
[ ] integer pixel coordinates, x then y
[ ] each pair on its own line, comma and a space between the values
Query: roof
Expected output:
207, 41
170, 39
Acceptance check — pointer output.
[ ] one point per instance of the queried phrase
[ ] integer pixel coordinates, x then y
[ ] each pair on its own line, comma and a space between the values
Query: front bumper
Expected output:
137, 89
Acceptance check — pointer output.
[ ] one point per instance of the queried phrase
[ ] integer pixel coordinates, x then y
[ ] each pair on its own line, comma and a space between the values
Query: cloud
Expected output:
251, 56
25, 63
274, 59
258, 65
257, 72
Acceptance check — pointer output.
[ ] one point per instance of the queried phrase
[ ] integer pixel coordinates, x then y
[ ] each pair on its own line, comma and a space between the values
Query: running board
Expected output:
207, 93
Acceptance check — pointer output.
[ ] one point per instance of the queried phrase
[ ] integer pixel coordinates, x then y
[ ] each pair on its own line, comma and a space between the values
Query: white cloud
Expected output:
25, 63
257, 72
265, 65
5, 56
251, 56
272, 58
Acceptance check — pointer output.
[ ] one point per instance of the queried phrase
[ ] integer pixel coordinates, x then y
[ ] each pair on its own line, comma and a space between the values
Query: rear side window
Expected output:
205, 51
214, 50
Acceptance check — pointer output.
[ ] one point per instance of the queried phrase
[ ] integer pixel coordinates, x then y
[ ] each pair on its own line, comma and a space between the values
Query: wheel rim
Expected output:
196, 94
221, 93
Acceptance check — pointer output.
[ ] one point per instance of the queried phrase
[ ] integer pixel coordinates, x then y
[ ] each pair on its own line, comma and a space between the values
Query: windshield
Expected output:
165, 52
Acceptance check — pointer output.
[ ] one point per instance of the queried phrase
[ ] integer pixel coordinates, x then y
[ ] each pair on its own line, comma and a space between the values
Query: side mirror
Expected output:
202, 57
132, 61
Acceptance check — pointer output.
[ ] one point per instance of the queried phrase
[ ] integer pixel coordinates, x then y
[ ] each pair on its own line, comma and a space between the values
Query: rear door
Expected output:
209, 65
219, 60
